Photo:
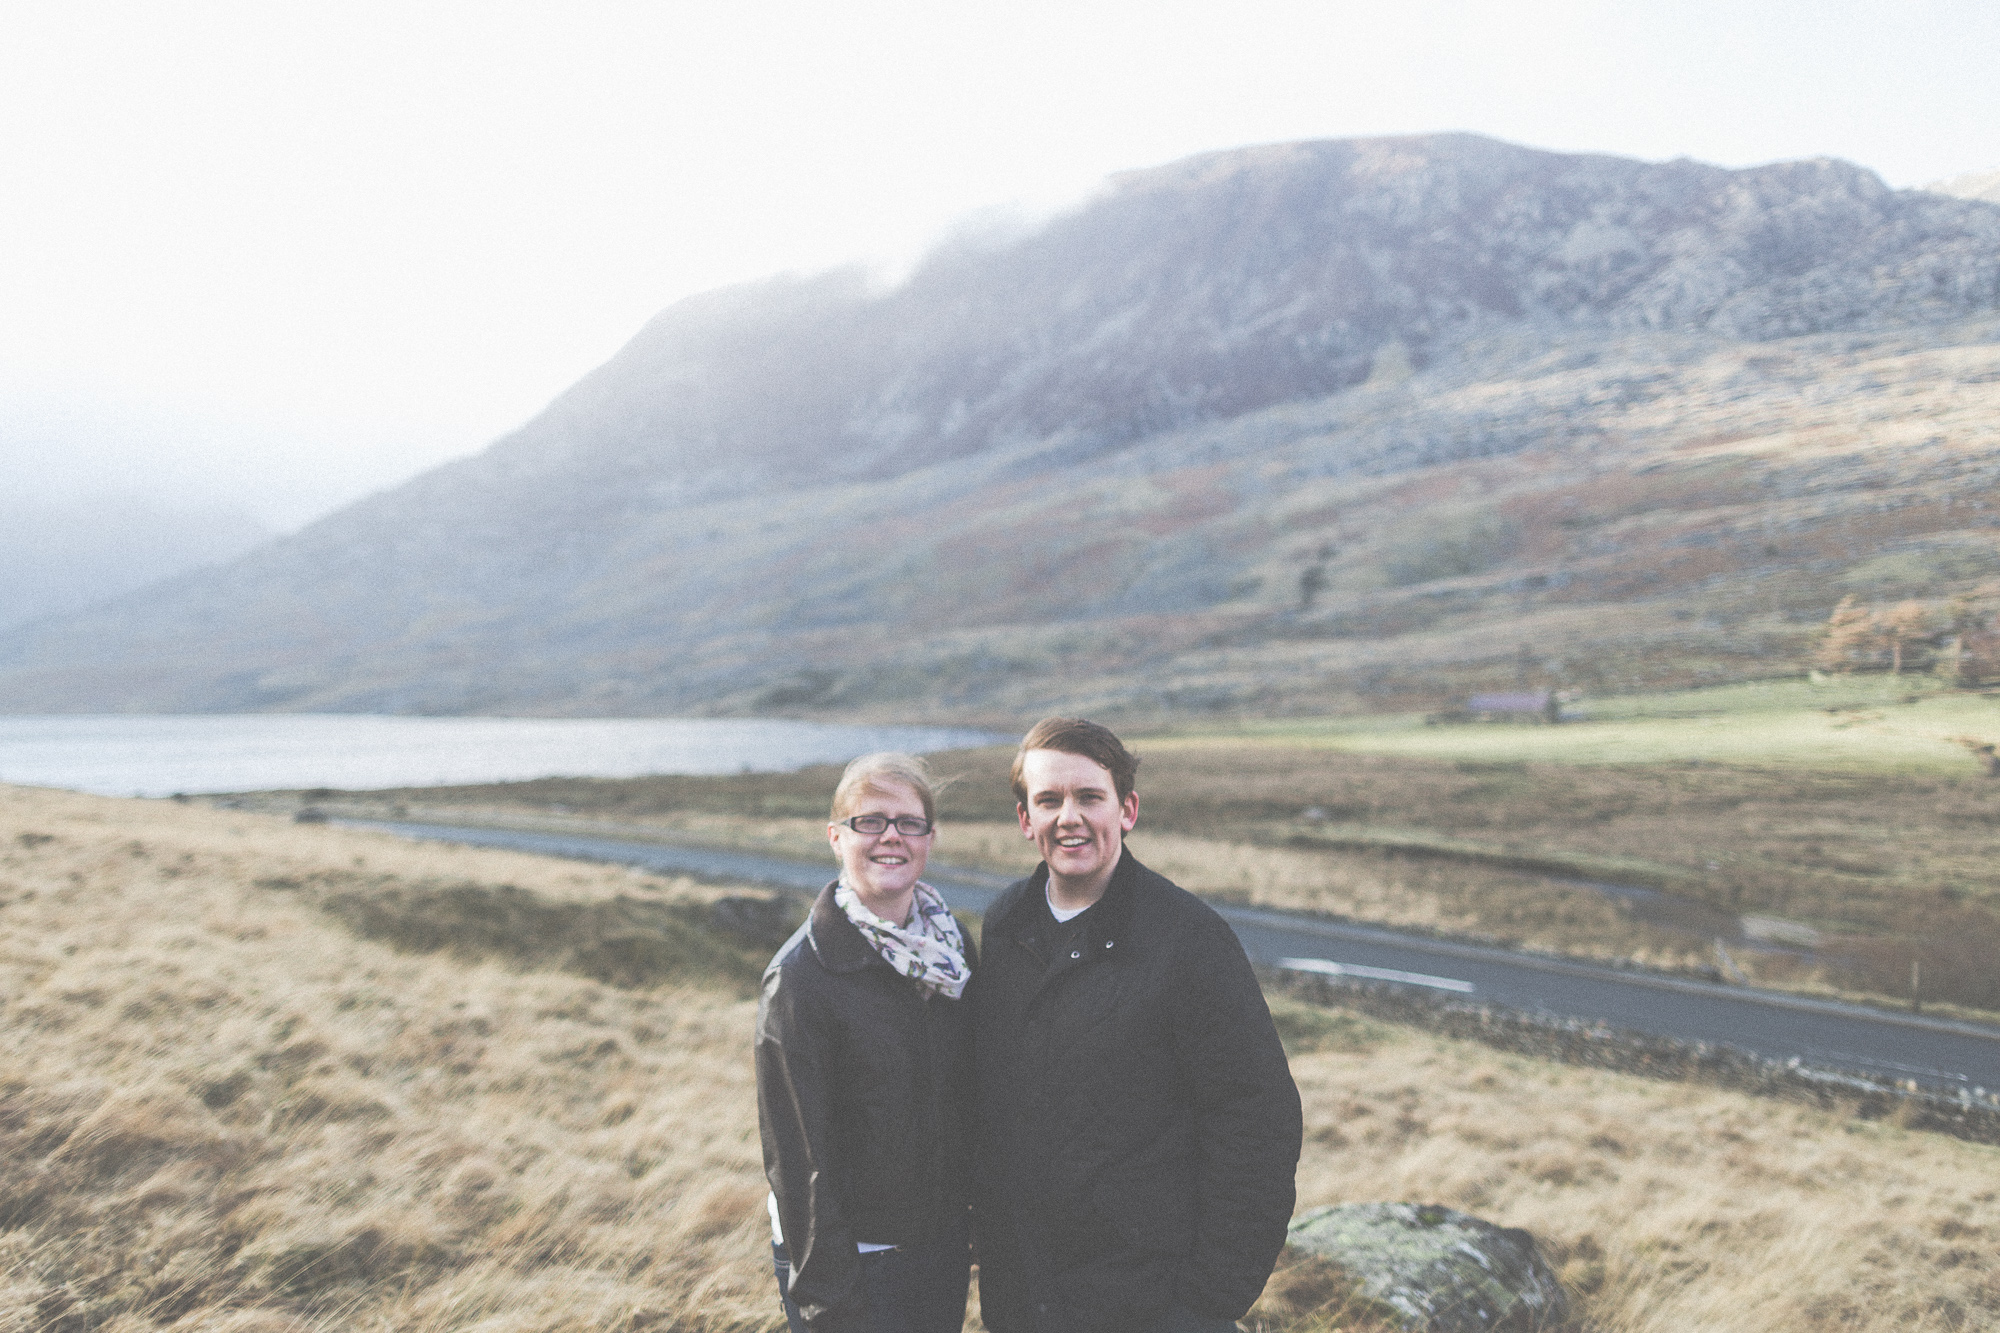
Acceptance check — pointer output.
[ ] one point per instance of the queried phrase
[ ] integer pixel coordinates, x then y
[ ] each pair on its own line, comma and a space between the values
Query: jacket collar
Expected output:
1110, 915
1115, 907
835, 940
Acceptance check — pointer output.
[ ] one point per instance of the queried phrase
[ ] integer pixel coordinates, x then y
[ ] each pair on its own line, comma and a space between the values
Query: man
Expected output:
1139, 1127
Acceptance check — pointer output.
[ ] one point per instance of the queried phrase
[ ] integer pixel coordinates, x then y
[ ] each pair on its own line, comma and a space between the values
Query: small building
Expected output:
1535, 705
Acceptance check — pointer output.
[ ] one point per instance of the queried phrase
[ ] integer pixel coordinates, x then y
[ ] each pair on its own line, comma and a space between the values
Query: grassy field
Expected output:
270, 1078
1843, 824
1867, 724
1852, 807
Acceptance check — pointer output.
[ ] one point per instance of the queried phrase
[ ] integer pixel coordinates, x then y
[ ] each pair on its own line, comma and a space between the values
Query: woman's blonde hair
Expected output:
875, 772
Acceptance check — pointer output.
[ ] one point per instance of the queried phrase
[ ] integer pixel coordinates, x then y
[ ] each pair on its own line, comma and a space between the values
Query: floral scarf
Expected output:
929, 950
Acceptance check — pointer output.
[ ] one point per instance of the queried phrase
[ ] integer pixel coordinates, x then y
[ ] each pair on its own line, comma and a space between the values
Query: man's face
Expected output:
1073, 814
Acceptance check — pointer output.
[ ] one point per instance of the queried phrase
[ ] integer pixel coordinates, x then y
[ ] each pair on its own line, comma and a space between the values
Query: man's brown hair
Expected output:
1073, 735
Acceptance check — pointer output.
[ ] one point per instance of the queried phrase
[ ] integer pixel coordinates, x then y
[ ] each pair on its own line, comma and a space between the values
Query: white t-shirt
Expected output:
1064, 914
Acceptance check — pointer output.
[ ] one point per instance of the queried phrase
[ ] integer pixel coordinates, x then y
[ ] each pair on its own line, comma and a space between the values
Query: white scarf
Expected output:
929, 950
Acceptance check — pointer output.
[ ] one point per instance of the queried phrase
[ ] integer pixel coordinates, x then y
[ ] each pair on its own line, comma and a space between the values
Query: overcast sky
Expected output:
282, 254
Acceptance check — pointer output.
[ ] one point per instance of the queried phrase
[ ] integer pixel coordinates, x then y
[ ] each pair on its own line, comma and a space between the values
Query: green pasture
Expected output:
1870, 723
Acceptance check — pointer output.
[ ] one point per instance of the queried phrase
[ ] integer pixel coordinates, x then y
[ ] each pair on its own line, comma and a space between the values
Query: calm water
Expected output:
160, 755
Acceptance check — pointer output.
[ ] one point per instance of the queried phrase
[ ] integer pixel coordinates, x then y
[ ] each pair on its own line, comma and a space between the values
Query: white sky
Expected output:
283, 254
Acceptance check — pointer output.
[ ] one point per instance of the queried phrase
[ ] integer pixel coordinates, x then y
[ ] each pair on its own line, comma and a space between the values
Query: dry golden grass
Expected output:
221, 1111
1665, 1206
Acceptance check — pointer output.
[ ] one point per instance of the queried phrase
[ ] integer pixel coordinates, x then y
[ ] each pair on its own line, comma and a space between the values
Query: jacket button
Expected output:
1076, 953
1107, 944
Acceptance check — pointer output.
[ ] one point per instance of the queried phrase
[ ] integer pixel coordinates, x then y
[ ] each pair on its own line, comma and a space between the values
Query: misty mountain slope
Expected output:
60, 556
1383, 360
1696, 526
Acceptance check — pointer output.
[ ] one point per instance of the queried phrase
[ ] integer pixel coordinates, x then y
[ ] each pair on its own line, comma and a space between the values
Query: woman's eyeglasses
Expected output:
910, 826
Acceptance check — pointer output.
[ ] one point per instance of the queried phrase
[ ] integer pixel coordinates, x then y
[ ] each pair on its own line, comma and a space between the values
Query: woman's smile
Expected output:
883, 868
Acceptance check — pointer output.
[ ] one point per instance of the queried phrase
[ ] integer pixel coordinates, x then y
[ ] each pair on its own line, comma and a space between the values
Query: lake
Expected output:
153, 755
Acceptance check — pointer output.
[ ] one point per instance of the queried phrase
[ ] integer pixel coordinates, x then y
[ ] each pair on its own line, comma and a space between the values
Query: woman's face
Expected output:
882, 868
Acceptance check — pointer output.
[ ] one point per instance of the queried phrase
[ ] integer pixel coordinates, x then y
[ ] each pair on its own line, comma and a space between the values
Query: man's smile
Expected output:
1076, 819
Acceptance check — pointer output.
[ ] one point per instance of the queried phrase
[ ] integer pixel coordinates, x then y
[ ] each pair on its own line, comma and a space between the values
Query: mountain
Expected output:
1277, 428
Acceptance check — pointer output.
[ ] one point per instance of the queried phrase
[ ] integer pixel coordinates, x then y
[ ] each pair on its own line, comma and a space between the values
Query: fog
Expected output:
65, 553
269, 259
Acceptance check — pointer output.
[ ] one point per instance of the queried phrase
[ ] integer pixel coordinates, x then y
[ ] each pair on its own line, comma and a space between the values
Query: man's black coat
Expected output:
1139, 1127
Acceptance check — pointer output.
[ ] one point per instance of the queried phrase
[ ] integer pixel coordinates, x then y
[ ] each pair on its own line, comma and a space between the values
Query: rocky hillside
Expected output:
1267, 429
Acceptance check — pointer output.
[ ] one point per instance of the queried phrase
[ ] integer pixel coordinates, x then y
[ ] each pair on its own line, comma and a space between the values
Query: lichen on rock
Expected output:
1437, 1269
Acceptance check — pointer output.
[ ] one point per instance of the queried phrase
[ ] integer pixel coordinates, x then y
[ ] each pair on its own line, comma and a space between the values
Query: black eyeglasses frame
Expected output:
854, 822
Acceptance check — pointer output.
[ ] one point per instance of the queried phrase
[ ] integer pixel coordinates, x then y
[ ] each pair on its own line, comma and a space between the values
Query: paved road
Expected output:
1937, 1053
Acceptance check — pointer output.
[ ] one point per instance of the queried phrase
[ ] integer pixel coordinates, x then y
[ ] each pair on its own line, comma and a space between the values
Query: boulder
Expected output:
1437, 1269
765, 923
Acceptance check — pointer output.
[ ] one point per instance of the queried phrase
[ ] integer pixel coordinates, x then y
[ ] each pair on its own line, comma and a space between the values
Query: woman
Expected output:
864, 1077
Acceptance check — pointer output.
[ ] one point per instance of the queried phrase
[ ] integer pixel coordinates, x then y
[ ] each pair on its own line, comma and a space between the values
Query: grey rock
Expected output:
764, 922
1439, 1270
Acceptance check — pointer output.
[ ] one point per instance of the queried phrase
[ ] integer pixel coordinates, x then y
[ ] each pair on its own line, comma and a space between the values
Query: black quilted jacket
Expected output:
1139, 1127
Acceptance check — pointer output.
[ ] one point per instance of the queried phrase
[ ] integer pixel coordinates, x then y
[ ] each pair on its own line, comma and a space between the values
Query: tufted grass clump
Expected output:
626, 941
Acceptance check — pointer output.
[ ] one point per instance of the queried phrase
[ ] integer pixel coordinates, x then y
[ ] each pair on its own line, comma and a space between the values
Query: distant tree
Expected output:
1976, 655
1853, 638
1972, 657
1908, 627
1860, 637
1312, 582
1966, 613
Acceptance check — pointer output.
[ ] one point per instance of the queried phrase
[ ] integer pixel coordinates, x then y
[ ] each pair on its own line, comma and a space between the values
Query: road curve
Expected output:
1937, 1053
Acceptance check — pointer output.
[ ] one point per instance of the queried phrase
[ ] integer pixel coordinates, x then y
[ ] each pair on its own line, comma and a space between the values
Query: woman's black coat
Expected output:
864, 1099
